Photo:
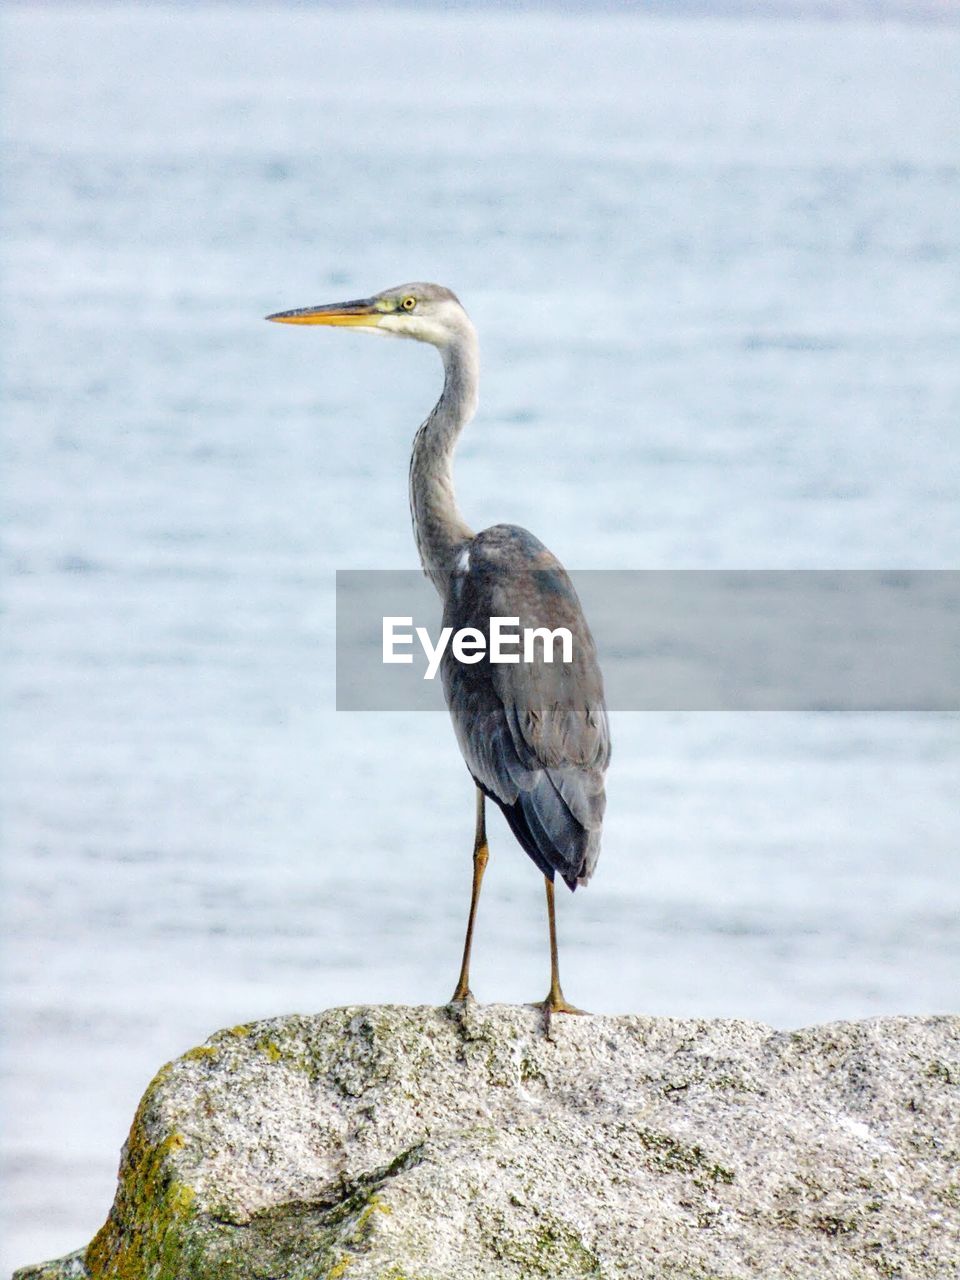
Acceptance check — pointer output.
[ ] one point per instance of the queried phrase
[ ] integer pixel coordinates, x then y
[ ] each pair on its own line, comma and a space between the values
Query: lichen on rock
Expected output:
383, 1143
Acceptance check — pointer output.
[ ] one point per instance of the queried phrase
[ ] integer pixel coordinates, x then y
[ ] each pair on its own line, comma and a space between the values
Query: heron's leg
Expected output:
555, 1001
480, 855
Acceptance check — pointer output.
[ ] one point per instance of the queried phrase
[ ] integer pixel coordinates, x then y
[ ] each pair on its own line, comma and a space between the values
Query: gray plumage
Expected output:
534, 734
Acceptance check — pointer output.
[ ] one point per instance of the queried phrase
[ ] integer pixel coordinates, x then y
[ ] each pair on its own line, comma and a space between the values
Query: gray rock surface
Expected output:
425, 1144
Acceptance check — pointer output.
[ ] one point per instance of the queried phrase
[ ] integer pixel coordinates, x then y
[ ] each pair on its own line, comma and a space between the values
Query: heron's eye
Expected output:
408, 303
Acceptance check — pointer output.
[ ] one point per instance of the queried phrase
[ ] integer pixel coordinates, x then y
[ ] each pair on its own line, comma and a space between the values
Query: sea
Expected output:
715, 269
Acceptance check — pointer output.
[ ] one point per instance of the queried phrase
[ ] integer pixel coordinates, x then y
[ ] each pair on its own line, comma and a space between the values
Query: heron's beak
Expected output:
363, 313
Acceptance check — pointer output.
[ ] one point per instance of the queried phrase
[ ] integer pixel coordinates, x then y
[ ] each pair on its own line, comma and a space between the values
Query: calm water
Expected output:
715, 272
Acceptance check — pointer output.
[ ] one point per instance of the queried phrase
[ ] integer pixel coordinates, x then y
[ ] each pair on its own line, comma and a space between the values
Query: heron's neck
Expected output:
438, 526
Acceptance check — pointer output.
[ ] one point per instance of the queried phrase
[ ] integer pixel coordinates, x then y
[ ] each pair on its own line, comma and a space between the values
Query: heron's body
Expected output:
534, 734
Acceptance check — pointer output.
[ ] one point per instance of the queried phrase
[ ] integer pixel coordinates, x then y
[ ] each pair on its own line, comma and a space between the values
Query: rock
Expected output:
72, 1267
430, 1144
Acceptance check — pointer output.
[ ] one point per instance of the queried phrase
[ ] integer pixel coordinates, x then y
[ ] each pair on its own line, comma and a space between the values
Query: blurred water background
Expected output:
714, 266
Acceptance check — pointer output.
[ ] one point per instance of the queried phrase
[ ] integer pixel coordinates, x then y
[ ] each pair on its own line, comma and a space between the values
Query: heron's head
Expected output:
427, 312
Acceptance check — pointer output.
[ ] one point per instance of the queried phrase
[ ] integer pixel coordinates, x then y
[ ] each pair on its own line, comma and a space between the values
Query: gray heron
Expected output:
534, 734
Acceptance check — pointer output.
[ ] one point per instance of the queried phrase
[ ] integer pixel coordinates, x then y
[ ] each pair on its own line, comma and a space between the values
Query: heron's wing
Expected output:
535, 733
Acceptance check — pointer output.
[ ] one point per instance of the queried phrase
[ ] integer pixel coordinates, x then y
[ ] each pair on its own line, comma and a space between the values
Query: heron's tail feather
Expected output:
557, 821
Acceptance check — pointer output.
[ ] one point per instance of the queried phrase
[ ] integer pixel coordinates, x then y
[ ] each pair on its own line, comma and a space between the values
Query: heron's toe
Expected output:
559, 1004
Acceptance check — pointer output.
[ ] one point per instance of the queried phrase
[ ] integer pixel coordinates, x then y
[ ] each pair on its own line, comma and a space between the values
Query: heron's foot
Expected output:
557, 1003
462, 995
